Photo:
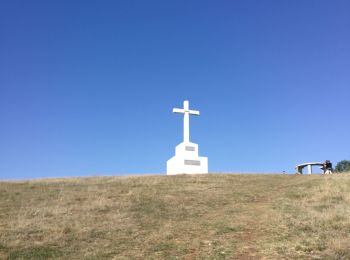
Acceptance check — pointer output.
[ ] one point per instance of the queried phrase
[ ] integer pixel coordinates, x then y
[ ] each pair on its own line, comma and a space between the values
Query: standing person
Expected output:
328, 167
324, 167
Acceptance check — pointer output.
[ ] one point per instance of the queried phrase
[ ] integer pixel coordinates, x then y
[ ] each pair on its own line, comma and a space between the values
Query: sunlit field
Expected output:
215, 216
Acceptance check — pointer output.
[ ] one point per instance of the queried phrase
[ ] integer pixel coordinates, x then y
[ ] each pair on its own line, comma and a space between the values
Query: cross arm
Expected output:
194, 112
178, 110
183, 111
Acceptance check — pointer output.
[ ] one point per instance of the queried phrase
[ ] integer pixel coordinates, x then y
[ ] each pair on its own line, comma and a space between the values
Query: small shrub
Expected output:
343, 166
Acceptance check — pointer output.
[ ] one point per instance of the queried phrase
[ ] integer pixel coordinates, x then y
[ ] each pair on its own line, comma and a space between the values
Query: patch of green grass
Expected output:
35, 253
321, 207
221, 253
333, 199
95, 234
296, 194
222, 228
3, 247
164, 246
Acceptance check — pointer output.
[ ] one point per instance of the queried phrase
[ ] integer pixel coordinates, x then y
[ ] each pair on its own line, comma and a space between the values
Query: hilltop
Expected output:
215, 216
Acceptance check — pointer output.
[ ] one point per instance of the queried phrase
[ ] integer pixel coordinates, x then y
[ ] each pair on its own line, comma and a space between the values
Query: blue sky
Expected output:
87, 87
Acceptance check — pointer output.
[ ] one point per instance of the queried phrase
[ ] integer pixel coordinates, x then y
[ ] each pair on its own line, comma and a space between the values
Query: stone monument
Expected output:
186, 159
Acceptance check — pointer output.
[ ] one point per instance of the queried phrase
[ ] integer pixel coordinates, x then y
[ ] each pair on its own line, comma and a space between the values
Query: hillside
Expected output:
212, 216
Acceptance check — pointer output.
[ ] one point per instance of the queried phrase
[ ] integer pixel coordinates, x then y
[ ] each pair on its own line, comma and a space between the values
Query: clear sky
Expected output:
87, 87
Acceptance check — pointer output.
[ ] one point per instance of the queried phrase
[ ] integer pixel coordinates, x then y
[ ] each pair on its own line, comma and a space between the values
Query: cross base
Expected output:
187, 161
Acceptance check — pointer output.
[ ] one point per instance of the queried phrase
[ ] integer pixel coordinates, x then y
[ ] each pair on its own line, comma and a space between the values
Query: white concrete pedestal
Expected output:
186, 160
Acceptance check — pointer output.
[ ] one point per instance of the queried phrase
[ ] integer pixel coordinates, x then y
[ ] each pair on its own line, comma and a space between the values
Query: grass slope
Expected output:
212, 216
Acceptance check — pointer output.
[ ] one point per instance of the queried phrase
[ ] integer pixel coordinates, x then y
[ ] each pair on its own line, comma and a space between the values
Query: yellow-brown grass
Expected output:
215, 216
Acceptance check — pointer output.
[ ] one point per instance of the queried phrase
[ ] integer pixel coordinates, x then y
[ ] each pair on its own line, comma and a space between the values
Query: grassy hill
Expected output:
213, 216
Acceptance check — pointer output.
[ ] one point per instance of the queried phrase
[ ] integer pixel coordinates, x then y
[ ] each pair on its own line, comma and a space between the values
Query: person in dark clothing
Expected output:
327, 167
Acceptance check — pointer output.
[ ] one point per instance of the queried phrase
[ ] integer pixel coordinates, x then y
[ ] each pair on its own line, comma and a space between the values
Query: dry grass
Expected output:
217, 216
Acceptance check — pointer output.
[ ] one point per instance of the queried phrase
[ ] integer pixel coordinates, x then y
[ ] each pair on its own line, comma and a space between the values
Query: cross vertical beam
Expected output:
187, 112
186, 122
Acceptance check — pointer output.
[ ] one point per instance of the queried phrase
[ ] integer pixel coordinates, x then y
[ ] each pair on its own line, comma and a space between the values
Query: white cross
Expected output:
187, 112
